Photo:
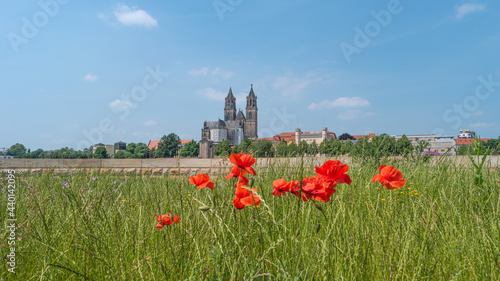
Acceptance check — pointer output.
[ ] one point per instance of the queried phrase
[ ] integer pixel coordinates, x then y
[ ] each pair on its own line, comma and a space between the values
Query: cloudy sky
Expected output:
75, 73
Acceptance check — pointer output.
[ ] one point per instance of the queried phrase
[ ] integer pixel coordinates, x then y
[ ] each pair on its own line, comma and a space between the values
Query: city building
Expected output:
236, 126
439, 144
109, 149
298, 136
466, 137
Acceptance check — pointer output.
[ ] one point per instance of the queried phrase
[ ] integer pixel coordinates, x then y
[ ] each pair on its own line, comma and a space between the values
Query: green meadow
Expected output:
441, 225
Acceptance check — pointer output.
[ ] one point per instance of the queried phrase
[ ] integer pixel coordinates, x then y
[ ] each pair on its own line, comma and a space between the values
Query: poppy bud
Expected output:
298, 233
204, 208
250, 183
318, 227
319, 207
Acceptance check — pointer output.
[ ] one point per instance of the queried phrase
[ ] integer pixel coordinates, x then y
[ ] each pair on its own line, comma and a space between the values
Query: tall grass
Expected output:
438, 226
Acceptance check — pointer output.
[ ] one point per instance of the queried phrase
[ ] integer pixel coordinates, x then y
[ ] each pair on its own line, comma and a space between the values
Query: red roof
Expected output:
463, 141
357, 137
154, 144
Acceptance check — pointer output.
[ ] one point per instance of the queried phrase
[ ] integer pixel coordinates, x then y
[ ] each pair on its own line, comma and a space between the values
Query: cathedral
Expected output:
236, 126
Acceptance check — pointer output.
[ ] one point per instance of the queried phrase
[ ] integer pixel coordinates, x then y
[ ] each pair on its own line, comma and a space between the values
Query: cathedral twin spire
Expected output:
230, 107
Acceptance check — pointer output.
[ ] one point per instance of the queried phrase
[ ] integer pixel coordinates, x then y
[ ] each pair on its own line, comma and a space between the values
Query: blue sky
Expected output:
79, 72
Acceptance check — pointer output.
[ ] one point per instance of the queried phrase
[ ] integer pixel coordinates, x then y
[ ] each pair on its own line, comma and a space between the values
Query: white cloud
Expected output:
90, 77
121, 103
204, 71
477, 113
468, 8
295, 87
150, 123
134, 16
481, 125
345, 102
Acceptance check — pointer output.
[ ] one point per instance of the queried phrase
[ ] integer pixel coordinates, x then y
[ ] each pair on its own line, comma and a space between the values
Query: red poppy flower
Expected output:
243, 181
166, 220
317, 188
242, 161
201, 181
177, 219
390, 177
245, 197
281, 186
334, 171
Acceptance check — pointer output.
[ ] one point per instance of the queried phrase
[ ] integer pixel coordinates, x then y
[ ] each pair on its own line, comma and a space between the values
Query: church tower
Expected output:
230, 108
251, 118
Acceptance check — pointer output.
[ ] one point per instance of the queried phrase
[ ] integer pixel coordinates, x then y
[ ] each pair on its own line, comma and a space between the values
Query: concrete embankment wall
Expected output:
186, 166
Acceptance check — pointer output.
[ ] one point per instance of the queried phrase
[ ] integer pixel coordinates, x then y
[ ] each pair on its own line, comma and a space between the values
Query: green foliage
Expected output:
100, 153
478, 167
404, 146
101, 226
190, 149
223, 149
246, 146
168, 146
346, 136
17, 150
263, 148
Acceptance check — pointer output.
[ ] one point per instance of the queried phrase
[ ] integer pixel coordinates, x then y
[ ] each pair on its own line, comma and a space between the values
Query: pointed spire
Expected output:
230, 94
251, 94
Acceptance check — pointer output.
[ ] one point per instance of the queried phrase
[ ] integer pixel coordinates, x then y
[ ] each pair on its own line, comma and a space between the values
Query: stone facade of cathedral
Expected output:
235, 127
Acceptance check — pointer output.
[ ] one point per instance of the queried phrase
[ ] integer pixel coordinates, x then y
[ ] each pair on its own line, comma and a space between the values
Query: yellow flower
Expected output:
383, 199
124, 200
189, 194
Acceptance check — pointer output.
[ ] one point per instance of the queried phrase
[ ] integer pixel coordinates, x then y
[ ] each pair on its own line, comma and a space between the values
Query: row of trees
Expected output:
382, 145
169, 146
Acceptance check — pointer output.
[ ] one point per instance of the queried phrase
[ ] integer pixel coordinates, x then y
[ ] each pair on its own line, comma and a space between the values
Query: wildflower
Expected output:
245, 197
242, 165
334, 171
316, 188
166, 220
201, 181
281, 186
390, 177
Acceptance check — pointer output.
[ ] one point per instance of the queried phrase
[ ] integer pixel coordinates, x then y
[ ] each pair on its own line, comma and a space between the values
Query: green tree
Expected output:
130, 148
263, 148
17, 150
141, 150
282, 149
190, 149
168, 146
223, 149
246, 146
312, 149
101, 153
302, 147
404, 146
346, 136
120, 154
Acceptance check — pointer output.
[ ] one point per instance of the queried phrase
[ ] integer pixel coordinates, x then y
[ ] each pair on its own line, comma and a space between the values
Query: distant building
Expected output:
207, 149
467, 137
7, 157
153, 144
235, 127
120, 146
437, 143
314, 136
298, 136
109, 149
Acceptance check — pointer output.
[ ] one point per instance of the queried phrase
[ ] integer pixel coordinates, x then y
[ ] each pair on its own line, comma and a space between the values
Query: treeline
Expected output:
169, 146
493, 145
382, 145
